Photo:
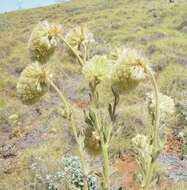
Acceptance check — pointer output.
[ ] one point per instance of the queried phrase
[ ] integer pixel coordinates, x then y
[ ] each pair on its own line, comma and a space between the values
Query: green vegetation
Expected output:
157, 28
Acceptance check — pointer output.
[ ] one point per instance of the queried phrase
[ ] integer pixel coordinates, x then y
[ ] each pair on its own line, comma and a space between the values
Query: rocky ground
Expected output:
14, 140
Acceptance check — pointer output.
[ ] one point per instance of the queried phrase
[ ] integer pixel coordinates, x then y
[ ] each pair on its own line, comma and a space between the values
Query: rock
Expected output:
176, 168
8, 166
184, 30
182, 60
182, 25
18, 70
4, 118
7, 151
155, 36
115, 26
152, 49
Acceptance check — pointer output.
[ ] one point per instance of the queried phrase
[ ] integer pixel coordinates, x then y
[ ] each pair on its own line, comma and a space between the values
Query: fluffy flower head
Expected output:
92, 142
97, 69
79, 35
32, 84
43, 41
81, 39
129, 69
167, 105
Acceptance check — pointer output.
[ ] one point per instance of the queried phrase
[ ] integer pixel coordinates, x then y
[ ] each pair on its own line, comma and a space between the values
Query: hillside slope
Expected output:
158, 28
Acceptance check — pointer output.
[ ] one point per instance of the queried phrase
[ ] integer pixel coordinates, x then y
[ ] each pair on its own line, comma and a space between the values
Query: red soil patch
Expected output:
82, 104
174, 144
127, 169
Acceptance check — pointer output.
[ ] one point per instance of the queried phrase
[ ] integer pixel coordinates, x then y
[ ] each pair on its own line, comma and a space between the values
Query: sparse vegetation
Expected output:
156, 28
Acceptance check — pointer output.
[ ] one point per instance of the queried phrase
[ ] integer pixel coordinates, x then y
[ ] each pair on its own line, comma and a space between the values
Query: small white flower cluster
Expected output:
144, 150
142, 146
167, 105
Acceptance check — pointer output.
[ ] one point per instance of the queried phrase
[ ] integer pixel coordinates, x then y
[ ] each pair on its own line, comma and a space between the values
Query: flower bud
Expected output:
142, 146
97, 69
92, 142
43, 41
32, 84
140, 141
78, 36
129, 70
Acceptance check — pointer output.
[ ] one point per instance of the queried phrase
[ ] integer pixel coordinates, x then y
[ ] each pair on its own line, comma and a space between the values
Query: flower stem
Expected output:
64, 101
82, 159
106, 161
105, 137
116, 101
81, 61
94, 94
85, 52
106, 167
157, 107
72, 124
155, 131
148, 176
81, 150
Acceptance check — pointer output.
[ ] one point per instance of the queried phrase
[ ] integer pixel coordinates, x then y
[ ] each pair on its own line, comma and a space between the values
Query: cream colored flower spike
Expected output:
32, 84
129, 70
43, 41
98, 69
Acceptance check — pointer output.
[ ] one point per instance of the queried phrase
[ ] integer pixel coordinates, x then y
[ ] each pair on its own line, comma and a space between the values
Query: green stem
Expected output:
148, 176
114, 110
81, 61
67, 107
85, 52
94, 94
104, 138
157, 107
106, 167
81, 150
84, 169
72, 121
155, 132
116, 101
72, 124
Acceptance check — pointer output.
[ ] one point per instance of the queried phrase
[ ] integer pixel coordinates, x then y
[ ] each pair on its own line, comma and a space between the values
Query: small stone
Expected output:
7, 151
184, 30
